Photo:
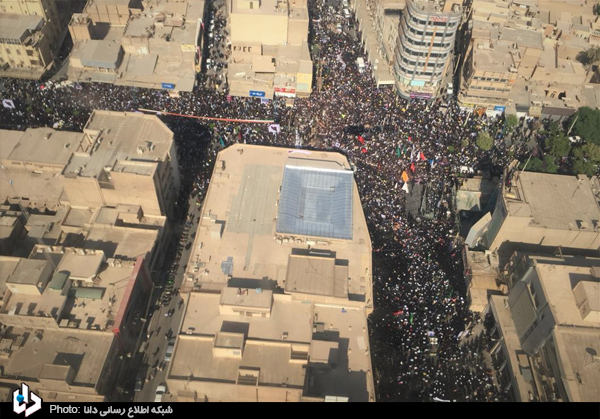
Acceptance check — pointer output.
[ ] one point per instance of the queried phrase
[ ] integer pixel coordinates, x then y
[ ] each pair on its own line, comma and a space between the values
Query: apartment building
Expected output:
535, 47
120, 158
548, 329
78, 314
542, 211
269, 49
150, 44
31, 32
278, 286
424, 52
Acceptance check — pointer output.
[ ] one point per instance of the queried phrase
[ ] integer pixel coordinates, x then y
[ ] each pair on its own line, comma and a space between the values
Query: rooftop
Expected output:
558, 282
292, 317
101, 53
556, 201
28, 271
240, 213
45, 145
84, 352
15, 27
577, 351
248, 298
316, 275
122, 136
82, 267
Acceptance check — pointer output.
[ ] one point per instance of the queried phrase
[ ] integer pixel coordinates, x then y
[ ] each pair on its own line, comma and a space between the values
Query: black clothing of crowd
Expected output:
418, 277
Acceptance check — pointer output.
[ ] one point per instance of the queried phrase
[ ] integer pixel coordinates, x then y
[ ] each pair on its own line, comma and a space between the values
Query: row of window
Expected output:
489, 79
29, 52
423, 53
424, 22
500, 89
418, 32
425, 44
404, 69
34, 63
422, 63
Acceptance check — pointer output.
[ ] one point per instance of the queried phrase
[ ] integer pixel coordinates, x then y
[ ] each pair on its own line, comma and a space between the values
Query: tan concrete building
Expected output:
538, 210
379, 22
46, 9
269, 49
149, 44
548, 330
489, 72
534, 46
31, 32
77, 314
25, 50
278, 284
425, 49
120, 158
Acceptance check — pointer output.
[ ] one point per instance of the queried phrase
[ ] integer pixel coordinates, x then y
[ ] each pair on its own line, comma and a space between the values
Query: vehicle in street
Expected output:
170, 349
360, 63
450, 89
139, 381
345, 3
160, 390
347, 14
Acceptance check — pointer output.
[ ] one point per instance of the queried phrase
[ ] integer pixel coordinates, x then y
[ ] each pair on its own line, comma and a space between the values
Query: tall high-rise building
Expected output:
425, 46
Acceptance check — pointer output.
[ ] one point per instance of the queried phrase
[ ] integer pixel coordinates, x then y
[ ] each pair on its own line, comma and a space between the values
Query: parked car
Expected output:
170, 349
139, 381
160, 390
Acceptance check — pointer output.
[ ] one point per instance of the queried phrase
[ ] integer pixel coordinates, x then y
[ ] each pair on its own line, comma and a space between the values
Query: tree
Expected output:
583, 167
484, 141
550, 164
586, 124
534, 165
597, 9
589, 56
592, 152
511, 121
558, 145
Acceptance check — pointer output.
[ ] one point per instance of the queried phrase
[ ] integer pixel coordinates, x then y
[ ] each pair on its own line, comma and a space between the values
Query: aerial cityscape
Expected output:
299, 201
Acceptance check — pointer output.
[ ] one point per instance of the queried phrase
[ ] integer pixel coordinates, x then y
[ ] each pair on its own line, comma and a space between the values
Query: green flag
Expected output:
398, 151
411, 318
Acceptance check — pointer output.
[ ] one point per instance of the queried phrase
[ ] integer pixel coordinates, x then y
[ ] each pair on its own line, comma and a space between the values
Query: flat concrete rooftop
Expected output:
557, 201
84, 352
239, 217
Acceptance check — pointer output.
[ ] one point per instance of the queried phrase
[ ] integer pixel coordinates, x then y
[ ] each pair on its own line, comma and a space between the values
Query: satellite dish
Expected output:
591, 351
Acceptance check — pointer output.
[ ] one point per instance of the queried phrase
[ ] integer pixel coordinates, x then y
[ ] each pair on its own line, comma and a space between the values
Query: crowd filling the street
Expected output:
421, 316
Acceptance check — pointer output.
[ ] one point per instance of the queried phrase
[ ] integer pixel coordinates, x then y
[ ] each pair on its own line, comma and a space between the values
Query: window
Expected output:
18, 52
7, 51
30, 53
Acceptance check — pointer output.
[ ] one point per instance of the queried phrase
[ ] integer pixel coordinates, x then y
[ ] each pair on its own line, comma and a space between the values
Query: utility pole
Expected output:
569, 131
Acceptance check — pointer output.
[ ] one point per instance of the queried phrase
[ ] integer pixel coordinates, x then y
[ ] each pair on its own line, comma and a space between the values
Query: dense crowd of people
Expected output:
394, 146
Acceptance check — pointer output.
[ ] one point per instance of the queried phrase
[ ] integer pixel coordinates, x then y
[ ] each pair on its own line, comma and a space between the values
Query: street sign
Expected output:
500, 108
169, 86
256, 93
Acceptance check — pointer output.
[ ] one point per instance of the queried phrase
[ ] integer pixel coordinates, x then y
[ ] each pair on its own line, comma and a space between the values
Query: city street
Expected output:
153, 348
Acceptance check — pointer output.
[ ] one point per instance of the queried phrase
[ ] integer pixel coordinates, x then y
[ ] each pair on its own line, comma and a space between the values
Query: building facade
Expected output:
547, 329
278, 286
269, 49
30, 34
424, 53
